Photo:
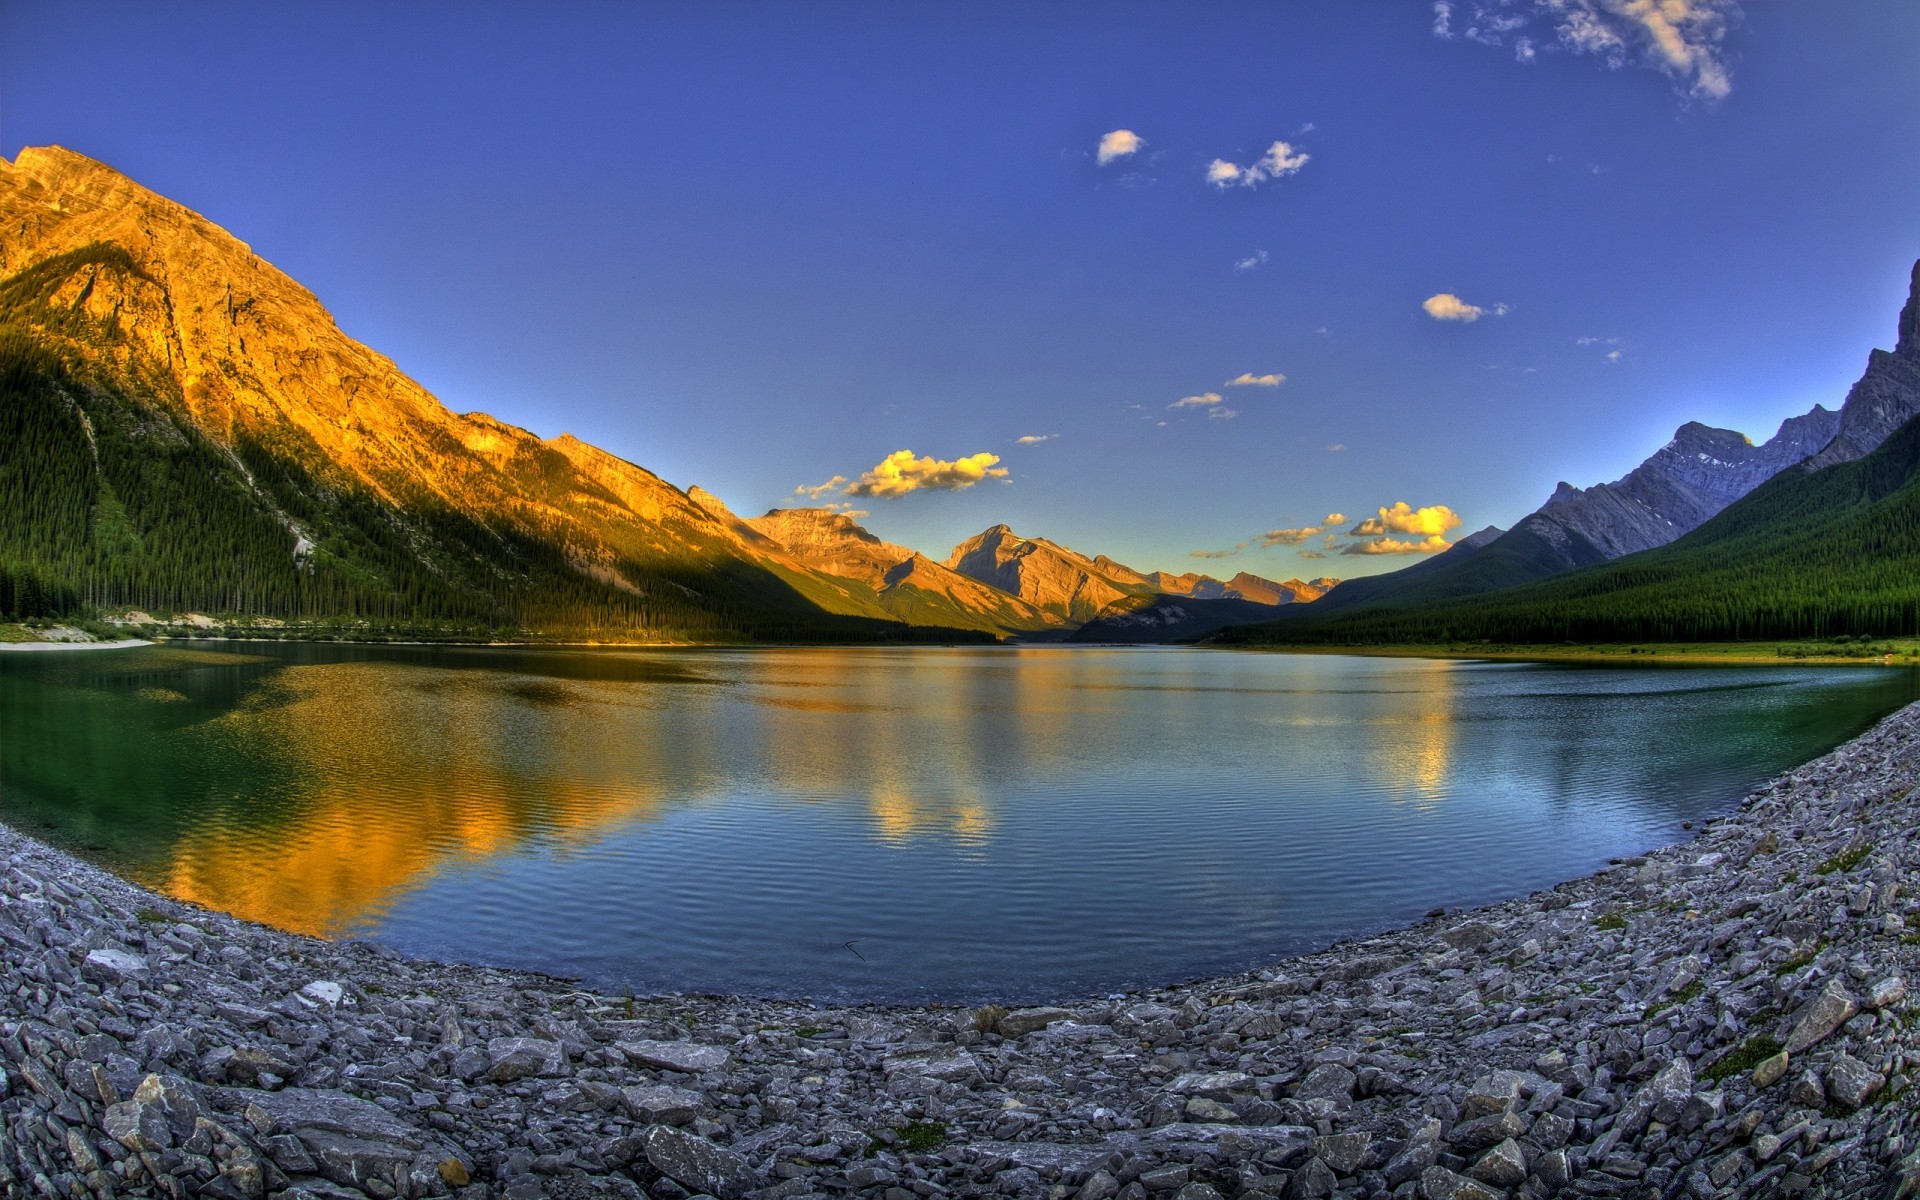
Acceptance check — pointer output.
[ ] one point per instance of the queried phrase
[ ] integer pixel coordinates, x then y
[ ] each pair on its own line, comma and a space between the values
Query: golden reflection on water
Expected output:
1414, 752
394, 782
357, 837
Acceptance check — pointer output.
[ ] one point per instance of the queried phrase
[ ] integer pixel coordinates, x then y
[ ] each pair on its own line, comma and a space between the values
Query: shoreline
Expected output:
1641, 654
123, 644
1597, 1038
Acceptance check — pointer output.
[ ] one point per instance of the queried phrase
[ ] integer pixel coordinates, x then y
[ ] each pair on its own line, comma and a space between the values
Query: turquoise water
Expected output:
875, 824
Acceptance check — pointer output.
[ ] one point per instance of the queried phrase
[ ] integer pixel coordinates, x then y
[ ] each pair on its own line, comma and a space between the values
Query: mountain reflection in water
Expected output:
983, 823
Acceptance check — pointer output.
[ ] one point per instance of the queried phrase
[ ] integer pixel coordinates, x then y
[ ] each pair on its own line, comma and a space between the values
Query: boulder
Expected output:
698, 1164
662, 1104
1833, 1007
511, 1058
1022, 1021
689, 1057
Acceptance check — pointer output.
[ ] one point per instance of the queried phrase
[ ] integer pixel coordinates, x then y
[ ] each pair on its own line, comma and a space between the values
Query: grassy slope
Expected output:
1806, 555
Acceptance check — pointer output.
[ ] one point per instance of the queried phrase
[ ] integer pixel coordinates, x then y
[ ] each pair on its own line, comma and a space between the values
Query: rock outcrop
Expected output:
1047, 575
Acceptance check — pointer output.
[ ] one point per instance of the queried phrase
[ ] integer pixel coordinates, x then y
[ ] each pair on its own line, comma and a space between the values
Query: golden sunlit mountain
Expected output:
194, 432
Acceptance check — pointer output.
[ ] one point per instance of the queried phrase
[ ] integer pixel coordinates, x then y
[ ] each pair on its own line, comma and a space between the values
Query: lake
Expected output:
879, 824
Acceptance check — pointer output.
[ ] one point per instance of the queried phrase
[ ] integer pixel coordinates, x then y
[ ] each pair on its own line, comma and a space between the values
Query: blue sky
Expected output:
756, 246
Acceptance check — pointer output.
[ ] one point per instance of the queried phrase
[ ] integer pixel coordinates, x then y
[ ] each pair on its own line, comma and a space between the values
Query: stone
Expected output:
302, 1110
355, 1162
1438, 1183
136, 1126
1770, 1070
177, 1101
1669, 1091
948, 1065
323, 992
1166, 1179
691, 1058
1482, 1132
1313, 1180
1851, 1082
1410, 1162
1344, 1152
661, 1104
1826, 1012
111, 964
1099, 1186
1216, 1084
1200, 1108
1503, 1166
1885, 993
511, 1058
696, 1163
1329, 1081
1023, 1021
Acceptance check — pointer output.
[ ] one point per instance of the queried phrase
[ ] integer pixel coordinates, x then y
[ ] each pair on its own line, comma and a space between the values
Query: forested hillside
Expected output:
1807, 554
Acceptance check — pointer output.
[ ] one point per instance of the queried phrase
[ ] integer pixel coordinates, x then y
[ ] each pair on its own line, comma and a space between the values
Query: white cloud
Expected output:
1229, 552
1280, 160
1222, 414
1336, 447
1203, 400
1683, 38
1249, 379
901, 472
1119, 144
1251, 262
1445, 306
1401, 517
1034, 439
821, 489
1288, 537
1427, 545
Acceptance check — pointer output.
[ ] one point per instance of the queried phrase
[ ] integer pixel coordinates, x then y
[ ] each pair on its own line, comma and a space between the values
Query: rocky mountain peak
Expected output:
1907, 339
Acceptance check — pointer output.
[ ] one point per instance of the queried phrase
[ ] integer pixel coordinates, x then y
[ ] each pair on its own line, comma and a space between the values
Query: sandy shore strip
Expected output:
1723, 1018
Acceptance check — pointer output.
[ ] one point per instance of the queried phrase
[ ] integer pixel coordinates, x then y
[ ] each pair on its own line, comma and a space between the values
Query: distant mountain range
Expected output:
183, 427
1816, 533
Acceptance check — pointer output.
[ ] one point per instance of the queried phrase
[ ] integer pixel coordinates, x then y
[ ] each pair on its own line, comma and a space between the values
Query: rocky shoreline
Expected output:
1726, 1018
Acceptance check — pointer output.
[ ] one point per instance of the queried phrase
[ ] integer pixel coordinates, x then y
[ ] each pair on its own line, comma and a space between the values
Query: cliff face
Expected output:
1683, 484
1050, 577
906, 582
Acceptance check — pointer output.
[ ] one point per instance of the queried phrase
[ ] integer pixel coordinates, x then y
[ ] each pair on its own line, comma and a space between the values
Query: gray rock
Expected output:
661, 1104
689, 1057
1329, 1081
1022, 1021
696, 1163
1833, 1007
1343, 1152
1886, 993
1438, 1183
111, 964
1503, 1166
1852, 1082
511, 1058
1216, 1084
1313, 1180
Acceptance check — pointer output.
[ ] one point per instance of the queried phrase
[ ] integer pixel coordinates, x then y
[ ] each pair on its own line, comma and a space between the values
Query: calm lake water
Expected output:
871, 824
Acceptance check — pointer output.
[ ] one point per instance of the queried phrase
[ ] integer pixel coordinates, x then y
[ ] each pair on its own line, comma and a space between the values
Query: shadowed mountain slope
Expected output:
1810, 553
